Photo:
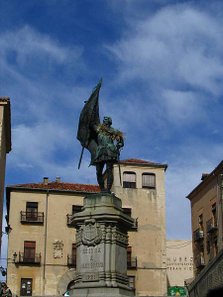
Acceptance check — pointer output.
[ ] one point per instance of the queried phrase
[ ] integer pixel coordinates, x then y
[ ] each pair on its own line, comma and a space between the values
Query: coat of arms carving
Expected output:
58, 249
91, 233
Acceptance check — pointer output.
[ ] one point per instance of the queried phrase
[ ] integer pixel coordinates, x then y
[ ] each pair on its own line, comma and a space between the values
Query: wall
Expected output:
179, 261
46, 277
5, 147
149, 241
201, 204
210, 277
2, 162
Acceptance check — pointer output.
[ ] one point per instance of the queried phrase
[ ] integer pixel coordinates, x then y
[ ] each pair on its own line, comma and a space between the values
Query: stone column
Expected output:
102, 241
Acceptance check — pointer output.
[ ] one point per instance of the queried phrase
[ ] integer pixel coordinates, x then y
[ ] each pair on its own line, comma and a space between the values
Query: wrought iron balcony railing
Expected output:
28, 259
76, 209
211, 225
132, 263
198, 234
71, 261
199, 261
32, 217
135, 226
128, 211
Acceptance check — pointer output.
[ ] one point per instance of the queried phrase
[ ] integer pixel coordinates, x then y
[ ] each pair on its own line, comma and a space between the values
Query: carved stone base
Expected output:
101, 241
101, 292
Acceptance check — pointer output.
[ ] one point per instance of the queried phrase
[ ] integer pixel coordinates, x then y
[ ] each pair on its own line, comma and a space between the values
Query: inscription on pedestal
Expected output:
90, 277
91, 258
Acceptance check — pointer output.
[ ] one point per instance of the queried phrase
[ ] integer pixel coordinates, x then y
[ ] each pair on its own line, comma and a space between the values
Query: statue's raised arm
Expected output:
101, 139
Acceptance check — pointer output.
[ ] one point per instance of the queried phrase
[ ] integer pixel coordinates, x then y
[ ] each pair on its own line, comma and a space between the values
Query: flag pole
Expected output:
82, 151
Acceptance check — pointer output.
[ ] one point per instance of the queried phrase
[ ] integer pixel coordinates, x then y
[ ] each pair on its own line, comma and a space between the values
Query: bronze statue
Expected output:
101, 139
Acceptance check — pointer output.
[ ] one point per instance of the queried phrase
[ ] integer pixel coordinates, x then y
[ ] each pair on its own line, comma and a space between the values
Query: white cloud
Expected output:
39, 149
43, 108
178, 45
182, 106
169, 69
26, 45
35, 145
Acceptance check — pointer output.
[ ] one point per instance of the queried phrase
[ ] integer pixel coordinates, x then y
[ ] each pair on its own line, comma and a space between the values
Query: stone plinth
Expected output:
101, 241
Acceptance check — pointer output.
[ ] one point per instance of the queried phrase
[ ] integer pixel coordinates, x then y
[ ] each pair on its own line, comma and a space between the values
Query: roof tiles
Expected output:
60, 186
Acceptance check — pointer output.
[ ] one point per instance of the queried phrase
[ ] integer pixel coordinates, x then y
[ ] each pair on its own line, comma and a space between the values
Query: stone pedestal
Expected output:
101, 241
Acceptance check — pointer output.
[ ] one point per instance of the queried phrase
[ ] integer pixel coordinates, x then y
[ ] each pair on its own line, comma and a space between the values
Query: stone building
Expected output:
179, 260
5, 146
206, 216
41, 246
207, 230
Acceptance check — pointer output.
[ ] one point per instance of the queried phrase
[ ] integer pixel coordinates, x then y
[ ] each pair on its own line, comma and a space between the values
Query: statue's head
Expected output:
107, 121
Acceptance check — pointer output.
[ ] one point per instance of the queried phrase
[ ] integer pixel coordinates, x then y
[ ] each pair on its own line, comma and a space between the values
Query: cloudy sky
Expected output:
162, 69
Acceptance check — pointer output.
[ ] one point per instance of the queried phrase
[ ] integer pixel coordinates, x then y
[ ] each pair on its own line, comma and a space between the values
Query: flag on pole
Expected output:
89, 117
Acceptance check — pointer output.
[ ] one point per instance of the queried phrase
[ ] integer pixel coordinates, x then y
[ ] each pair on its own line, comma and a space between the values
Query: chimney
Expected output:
58, 179
45, 180
204, 175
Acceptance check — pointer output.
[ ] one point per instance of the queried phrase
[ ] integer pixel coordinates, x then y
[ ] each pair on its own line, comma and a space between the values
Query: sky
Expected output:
162, 68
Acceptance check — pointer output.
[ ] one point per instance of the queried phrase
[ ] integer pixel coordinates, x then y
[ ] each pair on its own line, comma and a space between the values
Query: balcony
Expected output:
75, 209
198, 235
21, 258
211, 225
199, 261
71, 261
132, 263
135, 225
128, 212
27, 217
132, 282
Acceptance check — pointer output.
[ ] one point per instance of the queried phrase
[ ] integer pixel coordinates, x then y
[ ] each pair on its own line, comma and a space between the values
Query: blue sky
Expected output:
162, 69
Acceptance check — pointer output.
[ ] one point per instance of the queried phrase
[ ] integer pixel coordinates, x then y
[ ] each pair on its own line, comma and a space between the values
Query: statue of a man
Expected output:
109, 143
102, 141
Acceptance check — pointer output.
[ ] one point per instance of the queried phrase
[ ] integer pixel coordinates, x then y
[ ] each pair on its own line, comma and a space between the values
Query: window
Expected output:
74, 254
129, 179
214, 216
132, 282
201, 222
208, 245
129, 256
149, 180
26, 287
75, 209
29, 251
31, 214
32, 211
127, 211
131, 261
72, 259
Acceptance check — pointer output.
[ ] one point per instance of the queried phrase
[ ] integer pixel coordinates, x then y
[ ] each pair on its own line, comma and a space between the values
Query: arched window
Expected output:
149, 180
129, 179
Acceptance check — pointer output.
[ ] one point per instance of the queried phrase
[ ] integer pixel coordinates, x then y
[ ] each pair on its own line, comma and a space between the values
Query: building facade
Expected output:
41, 246
206, 216
207, 228
5, 146
179, 262
143, 192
